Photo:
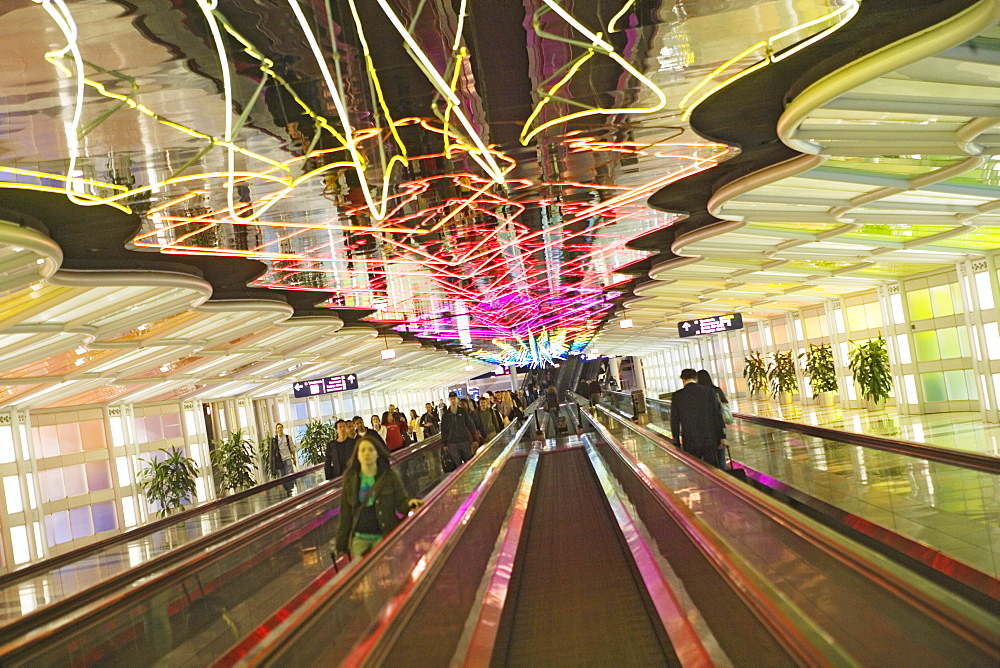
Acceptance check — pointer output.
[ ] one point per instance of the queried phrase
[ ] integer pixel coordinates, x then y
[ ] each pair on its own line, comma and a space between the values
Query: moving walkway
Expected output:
210, 573
614, 546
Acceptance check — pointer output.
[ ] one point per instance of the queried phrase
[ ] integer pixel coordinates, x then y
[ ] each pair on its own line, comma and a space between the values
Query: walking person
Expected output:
594, 390
394, 428
338, 452
696, 419
490, 418
282, 454
429, 421
373, 500
457, 431
360, 429
705, 378
416, 431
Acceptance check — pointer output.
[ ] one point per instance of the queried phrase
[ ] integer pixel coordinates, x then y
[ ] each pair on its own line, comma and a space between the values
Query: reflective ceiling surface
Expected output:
900, 176
464, 174
466, 171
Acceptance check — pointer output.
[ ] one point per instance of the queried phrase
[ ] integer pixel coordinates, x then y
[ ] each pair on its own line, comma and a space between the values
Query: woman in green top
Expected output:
373, 499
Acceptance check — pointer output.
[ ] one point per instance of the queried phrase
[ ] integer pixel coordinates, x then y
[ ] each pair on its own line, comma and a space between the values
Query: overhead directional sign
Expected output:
309, 388
713, 325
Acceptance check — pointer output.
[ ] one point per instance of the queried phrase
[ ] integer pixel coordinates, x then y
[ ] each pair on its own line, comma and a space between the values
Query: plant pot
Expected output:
785, 397
826, 399
875, 406
760, 396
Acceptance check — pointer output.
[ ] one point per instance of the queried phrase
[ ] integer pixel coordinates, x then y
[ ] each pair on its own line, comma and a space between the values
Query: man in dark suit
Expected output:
696, 419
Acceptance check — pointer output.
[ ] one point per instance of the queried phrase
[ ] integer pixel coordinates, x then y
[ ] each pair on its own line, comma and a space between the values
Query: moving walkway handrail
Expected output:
181, 562
58, 561
785, 629
950, 456
837, 549
960, 458
281, 630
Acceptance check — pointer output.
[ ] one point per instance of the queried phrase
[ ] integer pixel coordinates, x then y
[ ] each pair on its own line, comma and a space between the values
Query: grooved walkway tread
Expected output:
576, 598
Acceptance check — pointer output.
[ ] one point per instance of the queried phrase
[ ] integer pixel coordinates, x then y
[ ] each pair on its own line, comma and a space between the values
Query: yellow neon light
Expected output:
482, 155
597, 44
841, 16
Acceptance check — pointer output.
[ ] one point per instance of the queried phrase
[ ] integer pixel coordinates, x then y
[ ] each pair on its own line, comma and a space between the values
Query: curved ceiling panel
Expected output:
892, 186
468, 173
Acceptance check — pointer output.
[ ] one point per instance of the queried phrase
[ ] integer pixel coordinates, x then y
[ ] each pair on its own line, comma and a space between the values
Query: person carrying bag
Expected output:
373, 501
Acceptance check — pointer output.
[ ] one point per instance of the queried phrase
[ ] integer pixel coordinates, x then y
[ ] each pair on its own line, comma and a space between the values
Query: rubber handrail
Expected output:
960, 458
931, 557
838, 550
59, 560
195, 551
783, 628
950, 456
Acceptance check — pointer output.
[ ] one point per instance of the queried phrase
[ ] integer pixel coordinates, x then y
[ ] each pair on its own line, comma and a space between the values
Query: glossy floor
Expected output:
950, 509
962, 431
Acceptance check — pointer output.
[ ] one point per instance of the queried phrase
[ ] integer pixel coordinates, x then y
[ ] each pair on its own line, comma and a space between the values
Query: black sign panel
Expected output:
310, 388
713, 325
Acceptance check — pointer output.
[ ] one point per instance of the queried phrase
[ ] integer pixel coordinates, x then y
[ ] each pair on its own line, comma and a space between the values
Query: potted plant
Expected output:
822, 372
312, 447
169, 481
869, 363
781, 374
755, 372
234, 462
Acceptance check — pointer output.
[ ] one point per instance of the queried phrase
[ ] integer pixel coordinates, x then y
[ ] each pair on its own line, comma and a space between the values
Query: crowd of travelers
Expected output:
374, 500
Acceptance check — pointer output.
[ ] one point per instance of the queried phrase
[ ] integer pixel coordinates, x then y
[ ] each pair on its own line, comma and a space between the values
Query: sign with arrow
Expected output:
310, 388
713, 325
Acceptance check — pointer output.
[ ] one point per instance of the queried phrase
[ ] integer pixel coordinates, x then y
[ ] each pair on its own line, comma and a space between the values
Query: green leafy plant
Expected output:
312, 447
170, 482
755, 372
781, 373
869, 363
820, 368
234, 462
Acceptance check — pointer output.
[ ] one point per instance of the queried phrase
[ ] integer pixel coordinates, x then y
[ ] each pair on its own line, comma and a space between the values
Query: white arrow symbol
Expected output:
298, 386
686, 326
350, 379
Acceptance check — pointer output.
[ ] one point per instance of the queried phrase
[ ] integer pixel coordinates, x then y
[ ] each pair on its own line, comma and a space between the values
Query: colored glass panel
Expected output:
105, 518
898, 232
98, 475
69, 438
919, 302
960, 384
92, 435
81, 522
75, 480
171, 423
948, 342
927, 346
51, 483
942, 300
899, 269
934, 387
60, 531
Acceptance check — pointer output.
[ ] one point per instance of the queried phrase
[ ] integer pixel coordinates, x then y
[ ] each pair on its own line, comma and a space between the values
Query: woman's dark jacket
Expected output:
391, 501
